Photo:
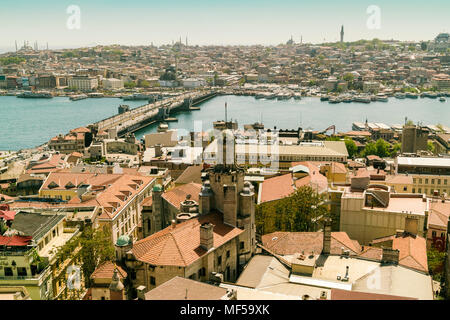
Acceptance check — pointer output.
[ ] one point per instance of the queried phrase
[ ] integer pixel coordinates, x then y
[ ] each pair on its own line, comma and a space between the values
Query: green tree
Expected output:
351, 147
96, 248
301, 211
129, 84
369, 149
382, 148
430, 145
436, 261
144, 84
396, 148
349, 77
11, 60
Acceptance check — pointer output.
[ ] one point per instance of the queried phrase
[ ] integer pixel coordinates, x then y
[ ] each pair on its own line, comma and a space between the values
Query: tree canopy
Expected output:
301, 211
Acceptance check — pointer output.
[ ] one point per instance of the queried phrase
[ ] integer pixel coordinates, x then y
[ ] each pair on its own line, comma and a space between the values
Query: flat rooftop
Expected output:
423, 162
414, 205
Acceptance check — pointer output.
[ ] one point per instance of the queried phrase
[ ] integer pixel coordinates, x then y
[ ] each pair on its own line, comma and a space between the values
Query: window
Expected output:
413, 190
228, 253
433, 234
445, 181
8, 272
219, 260
432, 181
22, 272
442, 235
426, 181
152, 281
405, 188
439, 181
241, 245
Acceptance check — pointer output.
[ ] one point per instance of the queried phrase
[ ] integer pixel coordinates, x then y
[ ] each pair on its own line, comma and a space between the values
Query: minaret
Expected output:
342, 33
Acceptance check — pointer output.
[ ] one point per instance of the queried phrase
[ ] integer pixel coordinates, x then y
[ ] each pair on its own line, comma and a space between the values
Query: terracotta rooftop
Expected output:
439, 214
338, 294
106, 271
178, 194
179, 245
287, 243
412, 251
282, 186
179, 288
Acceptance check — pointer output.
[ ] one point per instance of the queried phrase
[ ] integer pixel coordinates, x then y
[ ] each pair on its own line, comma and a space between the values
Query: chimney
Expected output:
326, 236
390, 256
141, 292
158, 151
206, 236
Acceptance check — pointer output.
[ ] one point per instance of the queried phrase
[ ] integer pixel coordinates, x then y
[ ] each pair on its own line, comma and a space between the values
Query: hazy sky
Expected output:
134, 22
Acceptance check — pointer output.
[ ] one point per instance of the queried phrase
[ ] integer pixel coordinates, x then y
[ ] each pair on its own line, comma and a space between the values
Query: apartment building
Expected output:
83, 83
118, 197
431, 176
371, 211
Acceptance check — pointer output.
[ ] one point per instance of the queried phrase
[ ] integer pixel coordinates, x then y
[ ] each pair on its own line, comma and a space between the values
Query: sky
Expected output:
212, 22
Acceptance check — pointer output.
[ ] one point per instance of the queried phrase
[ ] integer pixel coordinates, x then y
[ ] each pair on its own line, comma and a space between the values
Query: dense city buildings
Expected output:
228, 210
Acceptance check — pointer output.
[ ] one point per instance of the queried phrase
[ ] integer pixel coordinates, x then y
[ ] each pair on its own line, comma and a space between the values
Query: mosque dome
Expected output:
123, 241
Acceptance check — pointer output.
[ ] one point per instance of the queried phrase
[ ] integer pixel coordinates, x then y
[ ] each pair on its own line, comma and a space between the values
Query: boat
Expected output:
411, 95
260, 95
37, 94
77, 97
382, 98
442, 99
336, 99
362, 99
96, 95
297, 96
136, 96
271, 96
400, 95
431, 95
324, 98
347, 99
284, 96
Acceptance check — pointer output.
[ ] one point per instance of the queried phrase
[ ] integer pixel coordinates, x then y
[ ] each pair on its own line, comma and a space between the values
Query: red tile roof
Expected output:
277, 188
176, 195
338, 294
283, 186
7, 215
287, 243
413, 252
179, 288
106, 271
180, 245
14, 241
439, 214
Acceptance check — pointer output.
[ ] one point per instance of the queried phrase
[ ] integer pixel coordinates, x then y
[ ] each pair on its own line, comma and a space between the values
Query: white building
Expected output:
112, 83
193, 83
83, 83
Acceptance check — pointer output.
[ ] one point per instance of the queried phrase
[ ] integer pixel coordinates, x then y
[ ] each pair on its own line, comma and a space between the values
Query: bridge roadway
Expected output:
145, 115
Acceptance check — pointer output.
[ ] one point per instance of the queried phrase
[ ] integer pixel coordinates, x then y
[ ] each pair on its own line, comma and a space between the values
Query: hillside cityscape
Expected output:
188, 172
